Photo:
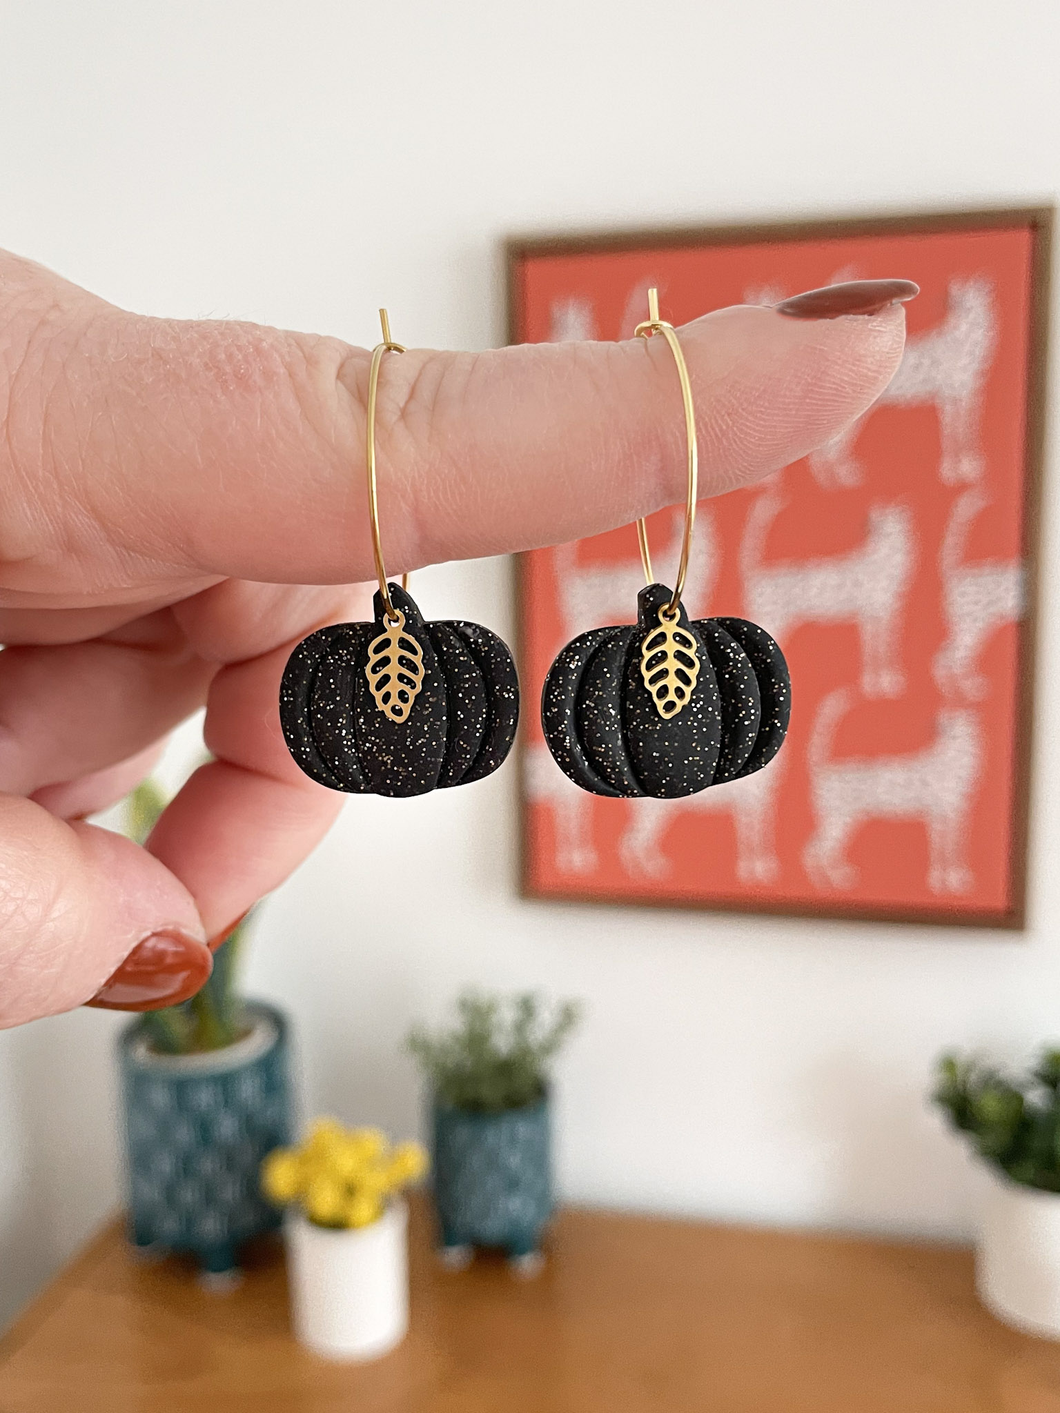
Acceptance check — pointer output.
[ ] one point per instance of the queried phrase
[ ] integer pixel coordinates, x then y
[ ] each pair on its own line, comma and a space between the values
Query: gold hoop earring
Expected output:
666, 707
399, 706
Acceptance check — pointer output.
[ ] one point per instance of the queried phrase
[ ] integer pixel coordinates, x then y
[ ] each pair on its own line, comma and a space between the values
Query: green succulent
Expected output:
1013, 1122
496, 1056
215, 1017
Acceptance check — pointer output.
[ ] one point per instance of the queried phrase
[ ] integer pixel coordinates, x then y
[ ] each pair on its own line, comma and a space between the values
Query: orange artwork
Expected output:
894, 567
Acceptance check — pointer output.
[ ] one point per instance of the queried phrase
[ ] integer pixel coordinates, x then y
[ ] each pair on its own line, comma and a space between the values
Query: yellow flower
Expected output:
375, 1179
408, 1164
343, 1176
325, 1138
354, 1159
370, 1144
325, 1201
282, 1175
362, 1210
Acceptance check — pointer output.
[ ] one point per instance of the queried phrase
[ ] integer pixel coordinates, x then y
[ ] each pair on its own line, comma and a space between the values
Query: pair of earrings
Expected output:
663, 707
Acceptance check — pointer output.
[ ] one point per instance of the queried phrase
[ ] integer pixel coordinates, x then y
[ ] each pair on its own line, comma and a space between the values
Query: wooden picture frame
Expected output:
836, 851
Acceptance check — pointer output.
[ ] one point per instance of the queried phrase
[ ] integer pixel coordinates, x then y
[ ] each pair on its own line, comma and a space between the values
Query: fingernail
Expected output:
162, 970
855, 297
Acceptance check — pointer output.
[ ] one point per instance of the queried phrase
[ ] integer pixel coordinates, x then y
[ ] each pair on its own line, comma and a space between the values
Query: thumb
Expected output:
76, 901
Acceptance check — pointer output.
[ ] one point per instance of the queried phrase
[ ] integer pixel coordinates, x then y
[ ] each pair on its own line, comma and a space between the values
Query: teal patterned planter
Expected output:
196, 1130
493, 1177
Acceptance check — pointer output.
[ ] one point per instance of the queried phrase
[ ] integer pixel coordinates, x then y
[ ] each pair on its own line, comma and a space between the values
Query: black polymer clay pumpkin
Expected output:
373, 708
626, 713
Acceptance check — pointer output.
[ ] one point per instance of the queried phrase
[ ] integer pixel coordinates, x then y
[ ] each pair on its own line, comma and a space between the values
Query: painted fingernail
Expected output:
162, 970
855, 297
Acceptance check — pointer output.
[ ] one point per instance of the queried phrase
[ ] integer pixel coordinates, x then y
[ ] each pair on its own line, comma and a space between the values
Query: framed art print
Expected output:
895, 567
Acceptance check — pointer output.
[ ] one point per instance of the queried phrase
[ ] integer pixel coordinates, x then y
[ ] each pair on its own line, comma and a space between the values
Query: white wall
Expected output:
304, 162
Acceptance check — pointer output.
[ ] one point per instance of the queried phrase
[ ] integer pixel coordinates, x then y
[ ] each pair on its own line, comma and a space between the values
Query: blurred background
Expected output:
301, 164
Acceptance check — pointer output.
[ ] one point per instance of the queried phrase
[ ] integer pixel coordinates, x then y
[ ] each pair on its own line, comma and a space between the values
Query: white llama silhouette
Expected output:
947, 366
571, 320
976, 600
751, 802
598, 595
571, 807
866, 586
573, 317
935, 785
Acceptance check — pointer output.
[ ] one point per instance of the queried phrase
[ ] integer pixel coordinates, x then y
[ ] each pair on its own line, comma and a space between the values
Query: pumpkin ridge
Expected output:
774, 685
559, 698
331, 701
618, 772
738, 694
494, 660
402, 759
296, 692
675, 755
467, 702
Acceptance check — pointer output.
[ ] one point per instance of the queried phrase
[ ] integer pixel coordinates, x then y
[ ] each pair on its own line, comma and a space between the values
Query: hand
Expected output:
170, 490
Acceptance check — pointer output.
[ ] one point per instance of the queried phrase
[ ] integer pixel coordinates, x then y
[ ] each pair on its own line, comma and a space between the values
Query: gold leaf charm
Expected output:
394, 669
669, 664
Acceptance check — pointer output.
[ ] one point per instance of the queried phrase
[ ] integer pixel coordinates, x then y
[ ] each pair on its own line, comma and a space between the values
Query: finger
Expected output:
213, 448
75, 901
242, 823
48, 627
71, 711
237, 620
91, 794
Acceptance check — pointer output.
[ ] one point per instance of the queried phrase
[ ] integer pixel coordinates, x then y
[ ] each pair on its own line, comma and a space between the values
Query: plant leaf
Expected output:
496, 1057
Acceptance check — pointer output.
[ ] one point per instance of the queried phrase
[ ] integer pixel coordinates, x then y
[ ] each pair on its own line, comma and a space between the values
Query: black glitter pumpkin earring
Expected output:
399, 706
665, 707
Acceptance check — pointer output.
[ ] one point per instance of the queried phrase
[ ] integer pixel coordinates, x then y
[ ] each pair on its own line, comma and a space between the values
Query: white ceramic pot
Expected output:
349, 1289
1017, 1266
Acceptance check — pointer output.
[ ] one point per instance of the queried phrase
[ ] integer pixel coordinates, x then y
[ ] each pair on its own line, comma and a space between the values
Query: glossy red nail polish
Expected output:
162, 970
855, 297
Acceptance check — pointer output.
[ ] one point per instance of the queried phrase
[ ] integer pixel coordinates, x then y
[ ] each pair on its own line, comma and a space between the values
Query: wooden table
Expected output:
632, 1314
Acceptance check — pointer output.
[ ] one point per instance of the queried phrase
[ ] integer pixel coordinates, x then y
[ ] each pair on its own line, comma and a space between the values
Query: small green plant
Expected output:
1013, 1122
496, 1057
215, 1017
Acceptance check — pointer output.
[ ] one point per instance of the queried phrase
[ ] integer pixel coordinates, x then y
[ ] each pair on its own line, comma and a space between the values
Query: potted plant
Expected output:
346, 1237
206, 1095
1014, 1126
490, 1123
